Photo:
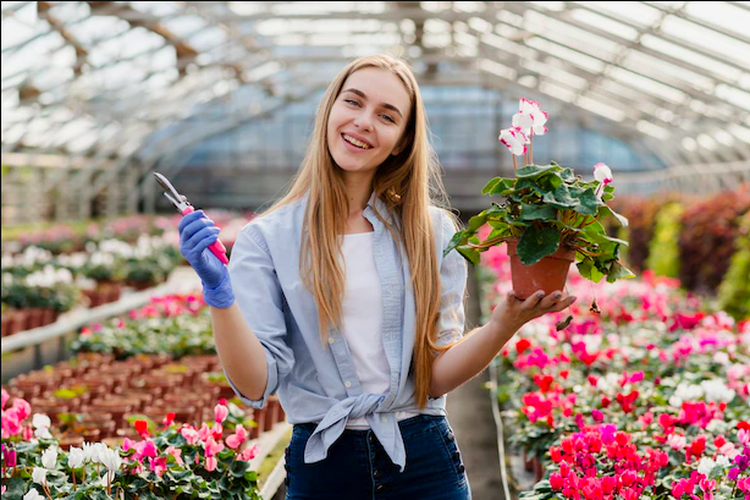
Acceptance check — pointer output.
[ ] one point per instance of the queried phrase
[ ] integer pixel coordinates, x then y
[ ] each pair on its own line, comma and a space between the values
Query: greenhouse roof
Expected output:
98, 78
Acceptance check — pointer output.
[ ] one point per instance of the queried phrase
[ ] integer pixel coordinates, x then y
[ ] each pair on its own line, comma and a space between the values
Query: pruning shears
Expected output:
183, 206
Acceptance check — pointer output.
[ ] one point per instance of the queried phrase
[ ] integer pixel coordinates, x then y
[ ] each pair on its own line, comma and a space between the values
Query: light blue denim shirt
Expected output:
318, 383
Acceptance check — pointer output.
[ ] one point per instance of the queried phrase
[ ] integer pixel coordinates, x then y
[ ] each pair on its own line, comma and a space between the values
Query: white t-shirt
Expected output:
362, 318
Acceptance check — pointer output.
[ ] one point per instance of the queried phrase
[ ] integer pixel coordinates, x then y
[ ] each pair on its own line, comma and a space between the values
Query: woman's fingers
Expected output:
194, 227
197, 238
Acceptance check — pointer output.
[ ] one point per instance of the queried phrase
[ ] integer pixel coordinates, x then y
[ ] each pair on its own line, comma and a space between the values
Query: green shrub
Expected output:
734, 291
663, 249
707, 236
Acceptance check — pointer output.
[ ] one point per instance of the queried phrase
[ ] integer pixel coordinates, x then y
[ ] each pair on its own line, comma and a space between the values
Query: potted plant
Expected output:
548, 215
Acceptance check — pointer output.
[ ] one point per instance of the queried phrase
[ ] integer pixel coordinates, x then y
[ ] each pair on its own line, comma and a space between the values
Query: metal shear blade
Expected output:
171, 193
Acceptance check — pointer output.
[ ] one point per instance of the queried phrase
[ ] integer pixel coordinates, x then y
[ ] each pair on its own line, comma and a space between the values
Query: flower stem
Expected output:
531, 147
515, 163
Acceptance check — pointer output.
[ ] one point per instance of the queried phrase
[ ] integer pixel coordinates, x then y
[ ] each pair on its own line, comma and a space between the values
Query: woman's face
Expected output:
368, 120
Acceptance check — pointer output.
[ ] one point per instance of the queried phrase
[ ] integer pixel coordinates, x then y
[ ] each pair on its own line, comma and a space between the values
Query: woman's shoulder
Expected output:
276, 223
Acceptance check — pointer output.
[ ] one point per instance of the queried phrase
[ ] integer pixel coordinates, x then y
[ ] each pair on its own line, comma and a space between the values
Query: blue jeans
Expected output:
357, 467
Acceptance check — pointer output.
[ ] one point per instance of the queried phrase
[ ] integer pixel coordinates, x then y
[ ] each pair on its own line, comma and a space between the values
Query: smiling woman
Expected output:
361, 337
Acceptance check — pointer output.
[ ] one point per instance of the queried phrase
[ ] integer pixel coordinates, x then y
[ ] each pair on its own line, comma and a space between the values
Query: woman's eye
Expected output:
351, 101
387, 117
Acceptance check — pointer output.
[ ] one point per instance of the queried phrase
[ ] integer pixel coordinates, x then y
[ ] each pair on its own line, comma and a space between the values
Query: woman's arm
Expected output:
472, 355
241, 354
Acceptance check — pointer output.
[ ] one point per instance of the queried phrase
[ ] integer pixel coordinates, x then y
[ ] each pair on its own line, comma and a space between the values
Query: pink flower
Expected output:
127, 444
248, 453
236, 439
6, 396
190, 434
212, 447
176, 453
211, 464
220, 413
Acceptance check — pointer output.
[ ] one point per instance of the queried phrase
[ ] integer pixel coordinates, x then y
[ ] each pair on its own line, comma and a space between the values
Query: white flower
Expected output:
676, 441
722, 460
110, 459
76, 457
39, 475
721, 358
706, 465
514, 139
92, 451
49, 457
42, 433
32, 494
530, 116
603, 174
40, 420
716, 390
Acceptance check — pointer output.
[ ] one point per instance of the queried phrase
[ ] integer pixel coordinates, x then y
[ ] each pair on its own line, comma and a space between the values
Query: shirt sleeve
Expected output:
453, 275
259, 297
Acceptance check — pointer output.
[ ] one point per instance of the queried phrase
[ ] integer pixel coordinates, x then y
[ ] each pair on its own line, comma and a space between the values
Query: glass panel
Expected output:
647, 85
690, 57
653, 66
722, 14
709, 40
577, 58
633, 12
604, 23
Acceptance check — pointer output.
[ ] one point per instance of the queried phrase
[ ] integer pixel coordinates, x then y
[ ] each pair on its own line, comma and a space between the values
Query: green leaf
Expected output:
589, 203
470, 254
499, 186
618, 271
561, 198
608, 211
537, 212
589, 271
536, 244
534, 171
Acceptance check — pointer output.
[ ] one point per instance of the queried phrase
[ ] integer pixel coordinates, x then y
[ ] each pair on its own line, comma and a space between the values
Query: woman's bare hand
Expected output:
512, 312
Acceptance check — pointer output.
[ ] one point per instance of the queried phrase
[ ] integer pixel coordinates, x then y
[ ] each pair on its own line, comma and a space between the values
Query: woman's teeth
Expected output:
359, 144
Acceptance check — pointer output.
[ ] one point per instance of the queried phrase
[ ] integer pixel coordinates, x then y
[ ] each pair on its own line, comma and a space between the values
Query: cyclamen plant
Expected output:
177, 462
546, 207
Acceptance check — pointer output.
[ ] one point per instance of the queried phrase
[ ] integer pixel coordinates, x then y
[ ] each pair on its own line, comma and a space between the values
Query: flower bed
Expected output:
157, 360
646, 400
176, 461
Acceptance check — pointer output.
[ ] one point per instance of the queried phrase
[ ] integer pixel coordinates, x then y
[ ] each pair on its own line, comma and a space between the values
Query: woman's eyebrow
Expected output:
385, 104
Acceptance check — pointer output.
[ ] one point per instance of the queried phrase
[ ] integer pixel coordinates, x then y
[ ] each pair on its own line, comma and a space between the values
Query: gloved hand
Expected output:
197, 233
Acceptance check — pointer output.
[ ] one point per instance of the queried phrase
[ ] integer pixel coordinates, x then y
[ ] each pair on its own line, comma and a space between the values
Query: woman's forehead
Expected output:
380, 86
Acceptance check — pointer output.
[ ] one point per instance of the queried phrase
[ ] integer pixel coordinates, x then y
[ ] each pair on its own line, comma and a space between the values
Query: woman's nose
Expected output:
363, 121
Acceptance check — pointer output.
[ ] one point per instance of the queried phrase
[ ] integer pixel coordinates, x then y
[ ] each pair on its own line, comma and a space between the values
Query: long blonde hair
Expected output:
404, 183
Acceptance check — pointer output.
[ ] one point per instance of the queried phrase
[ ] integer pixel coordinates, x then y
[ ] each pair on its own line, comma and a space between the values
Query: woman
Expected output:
346, 306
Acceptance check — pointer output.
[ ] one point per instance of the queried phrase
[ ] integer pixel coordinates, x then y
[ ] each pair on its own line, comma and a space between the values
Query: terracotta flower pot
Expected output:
18, 321
272, 412
549, 274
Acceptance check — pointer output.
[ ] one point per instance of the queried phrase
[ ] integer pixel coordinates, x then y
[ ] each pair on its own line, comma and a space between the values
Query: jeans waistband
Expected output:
415, 420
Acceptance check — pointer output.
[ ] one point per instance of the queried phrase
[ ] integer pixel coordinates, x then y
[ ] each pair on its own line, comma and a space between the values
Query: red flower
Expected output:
141, 426
169, 418
522, 345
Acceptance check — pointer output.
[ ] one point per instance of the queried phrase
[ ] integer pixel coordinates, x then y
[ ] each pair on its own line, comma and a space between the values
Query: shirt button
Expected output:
348, 384
384, 419
331, 340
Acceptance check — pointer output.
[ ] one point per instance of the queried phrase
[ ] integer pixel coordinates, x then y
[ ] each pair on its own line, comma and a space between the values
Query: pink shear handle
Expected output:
217, 247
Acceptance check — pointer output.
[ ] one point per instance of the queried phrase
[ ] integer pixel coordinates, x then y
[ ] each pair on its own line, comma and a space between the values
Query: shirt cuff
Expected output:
270, 386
